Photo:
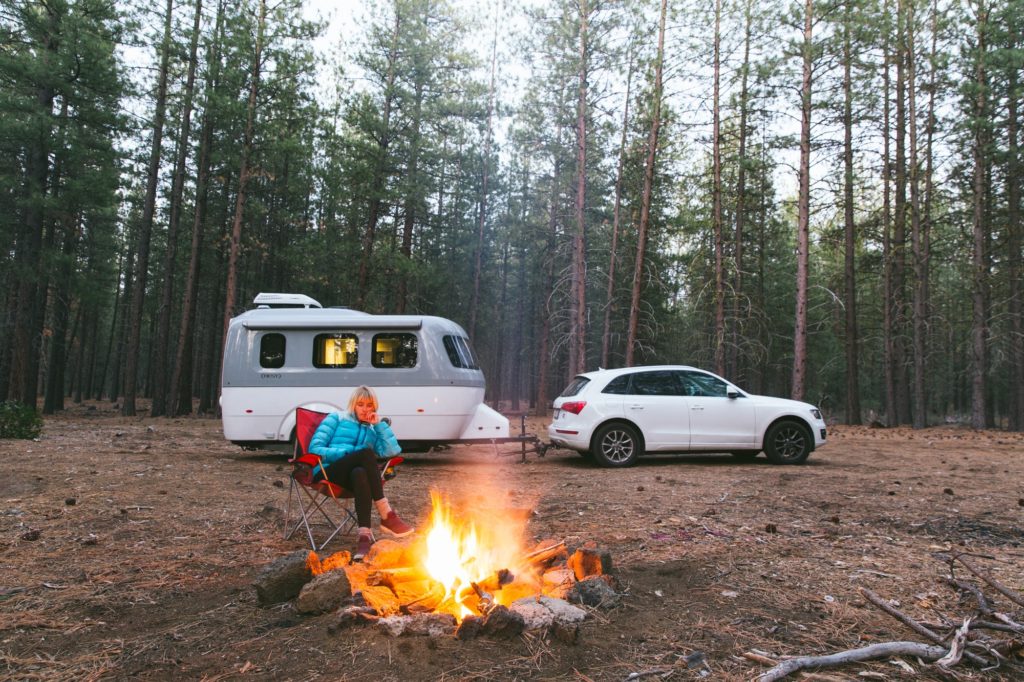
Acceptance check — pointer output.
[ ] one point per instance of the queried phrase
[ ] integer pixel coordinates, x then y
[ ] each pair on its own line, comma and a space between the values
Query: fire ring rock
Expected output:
595, 592
502, 623
283, 579
543, 613
324, 593
429, 624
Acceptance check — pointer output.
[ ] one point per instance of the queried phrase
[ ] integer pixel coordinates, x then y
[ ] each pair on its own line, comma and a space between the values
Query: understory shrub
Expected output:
18, 420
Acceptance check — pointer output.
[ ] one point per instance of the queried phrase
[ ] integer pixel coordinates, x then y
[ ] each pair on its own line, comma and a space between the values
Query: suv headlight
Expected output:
816, 412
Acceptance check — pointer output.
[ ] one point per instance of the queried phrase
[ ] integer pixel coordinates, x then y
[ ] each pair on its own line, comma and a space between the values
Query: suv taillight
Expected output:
575, 407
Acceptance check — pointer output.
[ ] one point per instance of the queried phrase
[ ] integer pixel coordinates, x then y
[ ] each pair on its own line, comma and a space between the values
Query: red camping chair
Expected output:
321, 504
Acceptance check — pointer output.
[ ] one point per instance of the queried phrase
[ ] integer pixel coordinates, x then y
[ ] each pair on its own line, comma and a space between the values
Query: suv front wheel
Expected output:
787, 442
616, 445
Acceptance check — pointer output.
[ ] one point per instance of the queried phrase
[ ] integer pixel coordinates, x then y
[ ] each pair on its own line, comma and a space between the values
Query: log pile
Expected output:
987, 638
544, 591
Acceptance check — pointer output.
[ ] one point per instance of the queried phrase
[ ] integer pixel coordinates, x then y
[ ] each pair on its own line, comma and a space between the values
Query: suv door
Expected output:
655, 402
716, 420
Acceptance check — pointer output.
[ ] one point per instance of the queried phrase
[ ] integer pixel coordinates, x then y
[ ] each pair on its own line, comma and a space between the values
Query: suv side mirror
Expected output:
732, 395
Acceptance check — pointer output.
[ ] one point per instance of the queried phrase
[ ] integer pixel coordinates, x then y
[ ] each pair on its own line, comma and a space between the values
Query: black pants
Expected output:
357, 472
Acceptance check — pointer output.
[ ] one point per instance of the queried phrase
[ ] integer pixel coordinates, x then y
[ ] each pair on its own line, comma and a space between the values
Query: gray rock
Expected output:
595, 592
422, 624
502, 623
542, 613
283, 579
324, 593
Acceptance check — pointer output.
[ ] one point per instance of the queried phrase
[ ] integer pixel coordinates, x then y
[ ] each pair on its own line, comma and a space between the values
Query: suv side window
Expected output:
660, 382
618, 386
702, 385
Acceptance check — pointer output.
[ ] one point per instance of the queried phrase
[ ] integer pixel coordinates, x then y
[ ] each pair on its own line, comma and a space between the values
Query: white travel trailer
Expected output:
290, 352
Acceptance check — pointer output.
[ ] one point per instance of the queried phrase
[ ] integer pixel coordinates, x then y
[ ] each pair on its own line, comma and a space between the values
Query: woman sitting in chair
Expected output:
349, 444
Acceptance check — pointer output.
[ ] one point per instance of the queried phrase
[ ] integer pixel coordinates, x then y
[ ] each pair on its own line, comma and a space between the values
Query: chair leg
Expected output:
307, 509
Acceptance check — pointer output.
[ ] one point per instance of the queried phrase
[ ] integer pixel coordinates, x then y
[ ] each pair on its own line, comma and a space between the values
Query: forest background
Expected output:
816, 199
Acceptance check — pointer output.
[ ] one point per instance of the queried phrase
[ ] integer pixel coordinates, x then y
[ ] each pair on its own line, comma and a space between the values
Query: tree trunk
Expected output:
919, 417
716, 199
28, 320
181, 381
979, 293
645, 200
134, 347
733, 364
380, 168
803, 236
578, 305
616, 213
162, 340
899, 234
482, 209
851, 340
243, 171
888, 331
1013, 180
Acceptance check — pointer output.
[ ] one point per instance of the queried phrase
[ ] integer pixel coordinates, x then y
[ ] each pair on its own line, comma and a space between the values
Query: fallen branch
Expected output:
926, 652
983, 606
914, 625
1012, 595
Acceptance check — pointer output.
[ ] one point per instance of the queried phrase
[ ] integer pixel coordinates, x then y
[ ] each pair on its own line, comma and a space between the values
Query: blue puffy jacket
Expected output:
341, 433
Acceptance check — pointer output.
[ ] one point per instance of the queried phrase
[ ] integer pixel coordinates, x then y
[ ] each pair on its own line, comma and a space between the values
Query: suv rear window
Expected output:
574, 387
618, 385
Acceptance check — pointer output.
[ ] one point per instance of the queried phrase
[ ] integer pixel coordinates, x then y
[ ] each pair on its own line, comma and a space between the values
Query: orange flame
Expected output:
461, 554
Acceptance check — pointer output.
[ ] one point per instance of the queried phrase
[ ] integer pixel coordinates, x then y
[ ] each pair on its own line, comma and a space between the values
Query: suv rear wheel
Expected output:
616, 445
787, 442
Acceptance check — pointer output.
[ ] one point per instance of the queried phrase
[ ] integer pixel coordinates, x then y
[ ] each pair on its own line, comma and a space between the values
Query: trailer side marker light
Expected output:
248, 411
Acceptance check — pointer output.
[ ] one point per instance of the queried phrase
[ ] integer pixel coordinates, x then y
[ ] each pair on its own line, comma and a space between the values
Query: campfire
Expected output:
469, 568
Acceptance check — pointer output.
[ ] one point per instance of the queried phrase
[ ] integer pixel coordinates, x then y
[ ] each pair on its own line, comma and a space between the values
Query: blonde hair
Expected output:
362, 393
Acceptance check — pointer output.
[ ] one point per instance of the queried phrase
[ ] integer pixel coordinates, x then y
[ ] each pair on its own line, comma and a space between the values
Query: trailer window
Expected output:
394, 350
459, 352
272, 351
335, 350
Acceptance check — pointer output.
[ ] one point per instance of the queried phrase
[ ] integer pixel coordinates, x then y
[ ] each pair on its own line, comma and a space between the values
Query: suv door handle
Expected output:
697, 407
636, 407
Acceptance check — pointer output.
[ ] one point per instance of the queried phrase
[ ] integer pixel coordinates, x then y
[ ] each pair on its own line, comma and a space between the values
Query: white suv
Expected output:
616, 415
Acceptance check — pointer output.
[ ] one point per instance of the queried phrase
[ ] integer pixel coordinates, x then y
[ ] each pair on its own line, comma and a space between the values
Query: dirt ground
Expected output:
128, 548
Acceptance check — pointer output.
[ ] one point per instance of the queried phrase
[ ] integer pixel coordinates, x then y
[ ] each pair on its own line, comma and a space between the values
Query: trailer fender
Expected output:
287, 427
485, 423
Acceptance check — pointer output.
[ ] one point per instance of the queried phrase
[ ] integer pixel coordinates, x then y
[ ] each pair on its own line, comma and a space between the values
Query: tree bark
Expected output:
28, 320
716, 199
616, 213
578, 325
851, 340
632, 334
380, 168
181, 380
979, 293
919, 417
888, 331
244, 171
134, 349
481, 228
163, 333
803, 238
733, 368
